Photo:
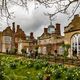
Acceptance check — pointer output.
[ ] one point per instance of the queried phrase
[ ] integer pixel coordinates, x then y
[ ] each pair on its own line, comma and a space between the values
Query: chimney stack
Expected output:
13, 27
31, 35
13, 38
45, 30
18, 27
58, 31
77, 15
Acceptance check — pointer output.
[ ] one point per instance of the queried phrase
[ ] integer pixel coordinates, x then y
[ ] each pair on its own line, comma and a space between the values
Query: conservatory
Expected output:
75, 44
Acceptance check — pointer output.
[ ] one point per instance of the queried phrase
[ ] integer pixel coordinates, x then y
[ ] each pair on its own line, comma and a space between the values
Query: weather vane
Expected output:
50, 17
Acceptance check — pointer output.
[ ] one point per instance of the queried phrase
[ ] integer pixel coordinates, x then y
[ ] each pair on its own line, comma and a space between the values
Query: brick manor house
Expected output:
50, 40
15, 38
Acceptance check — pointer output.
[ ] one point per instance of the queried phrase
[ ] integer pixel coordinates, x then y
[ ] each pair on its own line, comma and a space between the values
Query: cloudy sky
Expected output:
34, 20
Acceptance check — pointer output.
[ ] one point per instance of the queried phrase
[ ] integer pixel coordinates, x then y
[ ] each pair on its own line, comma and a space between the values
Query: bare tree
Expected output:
61, 6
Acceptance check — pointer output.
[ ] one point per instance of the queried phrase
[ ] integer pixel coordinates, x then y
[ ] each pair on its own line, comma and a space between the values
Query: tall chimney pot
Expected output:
13, 27
58, 29
31, 35
45, 30
18, 27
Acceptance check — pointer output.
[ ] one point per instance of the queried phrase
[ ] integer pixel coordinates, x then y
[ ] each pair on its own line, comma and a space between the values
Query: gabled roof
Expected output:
74, 25
7, 32
28, 39
45, 36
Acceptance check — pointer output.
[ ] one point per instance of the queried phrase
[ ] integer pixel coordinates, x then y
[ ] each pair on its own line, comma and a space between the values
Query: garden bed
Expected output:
20, 68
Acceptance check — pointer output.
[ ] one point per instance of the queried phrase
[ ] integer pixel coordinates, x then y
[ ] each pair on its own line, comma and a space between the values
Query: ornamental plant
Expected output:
45, 63
13, 65
47, 70
38, 64
30, 64
23, 51
65, 53
1, 72
39, 76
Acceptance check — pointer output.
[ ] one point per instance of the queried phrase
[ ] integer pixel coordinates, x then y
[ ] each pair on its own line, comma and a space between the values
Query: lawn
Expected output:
21, 68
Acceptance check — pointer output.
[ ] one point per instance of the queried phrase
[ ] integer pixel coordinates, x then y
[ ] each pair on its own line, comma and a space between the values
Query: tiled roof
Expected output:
7, 32
45, 36
74, 25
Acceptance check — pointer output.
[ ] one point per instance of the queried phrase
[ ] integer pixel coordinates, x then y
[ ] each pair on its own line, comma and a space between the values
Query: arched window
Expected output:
75, 44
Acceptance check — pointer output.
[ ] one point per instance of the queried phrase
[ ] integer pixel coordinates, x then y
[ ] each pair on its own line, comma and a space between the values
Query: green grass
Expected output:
21, 72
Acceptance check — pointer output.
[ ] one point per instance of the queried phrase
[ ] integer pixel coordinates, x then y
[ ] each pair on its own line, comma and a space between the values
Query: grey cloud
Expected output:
35, 20
32, 22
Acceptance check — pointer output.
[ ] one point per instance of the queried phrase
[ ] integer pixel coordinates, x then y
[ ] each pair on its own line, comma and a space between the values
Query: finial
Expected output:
50, 17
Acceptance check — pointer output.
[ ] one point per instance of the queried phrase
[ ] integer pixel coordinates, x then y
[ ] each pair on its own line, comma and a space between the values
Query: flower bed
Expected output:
15, 68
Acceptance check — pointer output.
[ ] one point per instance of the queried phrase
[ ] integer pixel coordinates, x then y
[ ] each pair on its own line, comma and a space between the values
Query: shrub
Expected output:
13, 65
7, 51
29, 77
47, 70
30, 64
38, 64
47, 77
21, 62
45, 63
57, 75
40, 76
23, 51
1, 72
13, 51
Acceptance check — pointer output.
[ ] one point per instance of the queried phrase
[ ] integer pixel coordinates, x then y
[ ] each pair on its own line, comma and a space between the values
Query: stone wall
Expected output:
67, 39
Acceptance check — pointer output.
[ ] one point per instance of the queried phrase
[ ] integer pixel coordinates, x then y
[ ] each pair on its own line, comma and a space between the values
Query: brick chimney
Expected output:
58, 31
77, 15
13, 37
45, 30
13, 27
18, 27
31, 35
